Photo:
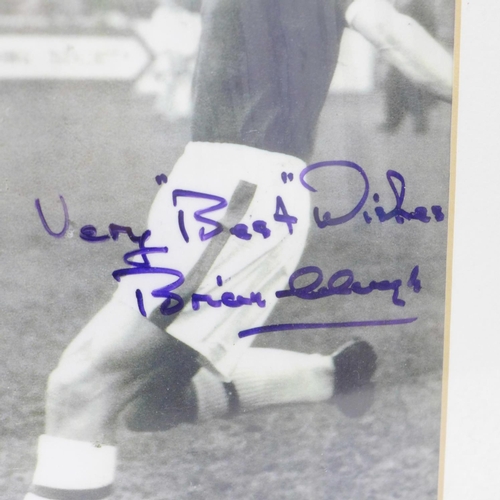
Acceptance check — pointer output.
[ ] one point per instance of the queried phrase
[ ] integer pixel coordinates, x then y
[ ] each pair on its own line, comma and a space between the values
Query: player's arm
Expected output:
404, 43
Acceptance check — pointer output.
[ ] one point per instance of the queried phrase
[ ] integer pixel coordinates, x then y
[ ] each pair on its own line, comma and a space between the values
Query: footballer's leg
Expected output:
262, 378
99, 373
263, 74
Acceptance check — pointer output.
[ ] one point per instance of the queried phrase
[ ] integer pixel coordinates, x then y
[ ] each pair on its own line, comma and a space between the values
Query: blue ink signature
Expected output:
88, 232
227, 299
317, 326
398, 212
342, 283
173, 302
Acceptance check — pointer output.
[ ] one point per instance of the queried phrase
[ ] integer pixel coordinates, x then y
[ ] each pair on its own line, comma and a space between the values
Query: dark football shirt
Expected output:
264, 70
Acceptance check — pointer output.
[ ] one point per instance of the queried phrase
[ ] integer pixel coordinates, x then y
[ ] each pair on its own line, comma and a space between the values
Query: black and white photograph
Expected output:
225, 246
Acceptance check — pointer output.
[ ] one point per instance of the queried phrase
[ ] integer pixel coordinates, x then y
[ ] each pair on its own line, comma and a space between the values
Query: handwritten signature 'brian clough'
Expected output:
341, 282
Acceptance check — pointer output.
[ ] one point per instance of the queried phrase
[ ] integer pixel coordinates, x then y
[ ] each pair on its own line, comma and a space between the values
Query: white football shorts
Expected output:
234, 221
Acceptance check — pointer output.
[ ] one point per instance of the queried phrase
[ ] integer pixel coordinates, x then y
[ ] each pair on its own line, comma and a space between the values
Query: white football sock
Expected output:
72, 470
265, 377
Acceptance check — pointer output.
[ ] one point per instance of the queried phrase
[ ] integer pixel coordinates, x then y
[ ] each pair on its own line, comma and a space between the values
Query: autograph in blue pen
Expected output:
341, 282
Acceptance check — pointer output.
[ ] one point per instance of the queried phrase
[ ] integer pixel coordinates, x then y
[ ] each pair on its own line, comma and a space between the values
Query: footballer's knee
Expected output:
82, 399
166, 396
90, 388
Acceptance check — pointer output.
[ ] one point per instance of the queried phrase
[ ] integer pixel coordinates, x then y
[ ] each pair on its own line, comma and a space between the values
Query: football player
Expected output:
264, 69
